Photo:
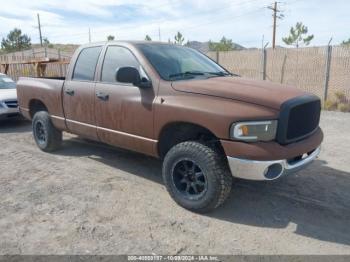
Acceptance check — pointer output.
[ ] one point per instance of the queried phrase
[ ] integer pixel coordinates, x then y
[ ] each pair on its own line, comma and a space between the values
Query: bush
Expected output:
340, 96
339, 102
344, 107
330, 105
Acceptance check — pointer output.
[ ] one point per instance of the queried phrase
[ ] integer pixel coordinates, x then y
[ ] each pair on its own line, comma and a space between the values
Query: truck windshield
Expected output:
6, 82
174, 62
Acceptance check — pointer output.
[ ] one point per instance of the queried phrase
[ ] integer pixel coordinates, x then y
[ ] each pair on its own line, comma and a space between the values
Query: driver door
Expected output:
124, 112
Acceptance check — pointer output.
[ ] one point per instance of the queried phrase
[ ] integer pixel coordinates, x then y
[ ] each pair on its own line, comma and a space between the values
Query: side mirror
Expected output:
132, 75
128, 75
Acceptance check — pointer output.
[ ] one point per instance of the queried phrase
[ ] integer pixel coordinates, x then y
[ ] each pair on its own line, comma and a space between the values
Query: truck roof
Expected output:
126, 42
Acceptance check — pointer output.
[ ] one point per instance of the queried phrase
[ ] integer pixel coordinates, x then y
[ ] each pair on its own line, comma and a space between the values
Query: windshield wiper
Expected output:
219, 73
187, 73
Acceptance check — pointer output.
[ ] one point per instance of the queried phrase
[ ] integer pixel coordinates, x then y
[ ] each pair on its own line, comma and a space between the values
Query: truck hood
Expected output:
8, 94
262, 93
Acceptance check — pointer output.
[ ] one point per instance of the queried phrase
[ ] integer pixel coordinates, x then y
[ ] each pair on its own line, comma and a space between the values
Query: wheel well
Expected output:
175, 133
36, 106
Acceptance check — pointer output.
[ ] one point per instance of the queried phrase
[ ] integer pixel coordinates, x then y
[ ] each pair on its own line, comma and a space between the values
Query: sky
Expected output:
245, 22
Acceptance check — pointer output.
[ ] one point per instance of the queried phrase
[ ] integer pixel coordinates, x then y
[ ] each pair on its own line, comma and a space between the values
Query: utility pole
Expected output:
39, 26
275, 16
160, 39
89, 35
274, 25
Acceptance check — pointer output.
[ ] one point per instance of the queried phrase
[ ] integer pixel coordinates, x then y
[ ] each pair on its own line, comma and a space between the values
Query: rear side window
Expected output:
86, 64
116, 57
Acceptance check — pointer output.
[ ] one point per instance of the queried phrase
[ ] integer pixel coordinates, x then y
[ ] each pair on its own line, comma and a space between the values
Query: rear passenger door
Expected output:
124, 112
79, 94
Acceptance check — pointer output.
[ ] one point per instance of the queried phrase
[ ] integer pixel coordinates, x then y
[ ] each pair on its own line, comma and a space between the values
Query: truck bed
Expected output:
32, 91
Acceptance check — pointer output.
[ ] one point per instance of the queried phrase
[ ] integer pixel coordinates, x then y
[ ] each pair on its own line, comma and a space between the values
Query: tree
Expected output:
110, 38
47, 42
224, 45
148, 38
179, 39
298, 36
15, 41
346, 42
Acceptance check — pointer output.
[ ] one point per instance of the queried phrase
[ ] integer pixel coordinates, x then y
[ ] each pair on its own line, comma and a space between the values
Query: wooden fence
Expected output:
35, 62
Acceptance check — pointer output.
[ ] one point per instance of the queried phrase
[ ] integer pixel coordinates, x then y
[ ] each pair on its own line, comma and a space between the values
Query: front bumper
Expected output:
268, 170
6, 112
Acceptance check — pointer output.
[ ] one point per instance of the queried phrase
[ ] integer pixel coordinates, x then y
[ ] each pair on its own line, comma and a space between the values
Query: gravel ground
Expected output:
92, 199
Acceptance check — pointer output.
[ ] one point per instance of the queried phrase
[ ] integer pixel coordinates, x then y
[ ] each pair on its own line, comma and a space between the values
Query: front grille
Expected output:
11, 103
299, 118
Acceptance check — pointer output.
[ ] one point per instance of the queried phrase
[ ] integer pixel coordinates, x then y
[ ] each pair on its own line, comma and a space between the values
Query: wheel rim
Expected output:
40, 132
189, 179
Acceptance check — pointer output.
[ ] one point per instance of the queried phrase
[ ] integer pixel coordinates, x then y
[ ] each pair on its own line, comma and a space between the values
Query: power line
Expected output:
216, 20
167, 19
228, 18
163, 20
231, 18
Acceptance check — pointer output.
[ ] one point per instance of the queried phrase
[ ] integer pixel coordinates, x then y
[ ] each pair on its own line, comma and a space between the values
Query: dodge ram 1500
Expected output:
174, 103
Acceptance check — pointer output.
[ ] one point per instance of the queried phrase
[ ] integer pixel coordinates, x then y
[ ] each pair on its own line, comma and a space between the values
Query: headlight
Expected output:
254, 131
2, 104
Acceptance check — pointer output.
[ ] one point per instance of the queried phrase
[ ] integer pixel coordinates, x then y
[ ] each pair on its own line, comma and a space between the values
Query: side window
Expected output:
86, 64
116, 57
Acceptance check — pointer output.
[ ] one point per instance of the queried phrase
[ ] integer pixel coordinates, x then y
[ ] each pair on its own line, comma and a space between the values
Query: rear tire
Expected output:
46, 136
196, 176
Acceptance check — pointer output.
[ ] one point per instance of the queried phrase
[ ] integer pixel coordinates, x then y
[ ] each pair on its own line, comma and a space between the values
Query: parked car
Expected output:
174, 103
8, 98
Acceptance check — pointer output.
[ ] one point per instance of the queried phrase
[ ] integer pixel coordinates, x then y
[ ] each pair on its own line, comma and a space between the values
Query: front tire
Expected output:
196, 176
46, 136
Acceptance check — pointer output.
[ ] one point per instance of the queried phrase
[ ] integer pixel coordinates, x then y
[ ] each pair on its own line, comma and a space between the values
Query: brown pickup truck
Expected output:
174, 103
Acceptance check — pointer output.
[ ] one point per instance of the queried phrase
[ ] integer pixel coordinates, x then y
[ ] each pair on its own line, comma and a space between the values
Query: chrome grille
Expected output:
11, 103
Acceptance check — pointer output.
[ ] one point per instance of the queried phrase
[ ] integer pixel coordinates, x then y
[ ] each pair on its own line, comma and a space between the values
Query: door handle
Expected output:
69, 92
102, 96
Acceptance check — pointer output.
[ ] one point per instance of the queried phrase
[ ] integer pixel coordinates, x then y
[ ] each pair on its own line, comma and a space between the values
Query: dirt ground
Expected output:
92, 199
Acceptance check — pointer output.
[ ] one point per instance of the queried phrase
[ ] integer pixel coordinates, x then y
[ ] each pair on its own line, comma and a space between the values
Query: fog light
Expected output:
273, 171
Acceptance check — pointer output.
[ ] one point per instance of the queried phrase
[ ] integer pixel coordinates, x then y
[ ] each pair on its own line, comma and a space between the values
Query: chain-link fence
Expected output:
319, 70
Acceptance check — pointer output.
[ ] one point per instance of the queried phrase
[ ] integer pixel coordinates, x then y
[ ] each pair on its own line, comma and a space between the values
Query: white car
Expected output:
8, 98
